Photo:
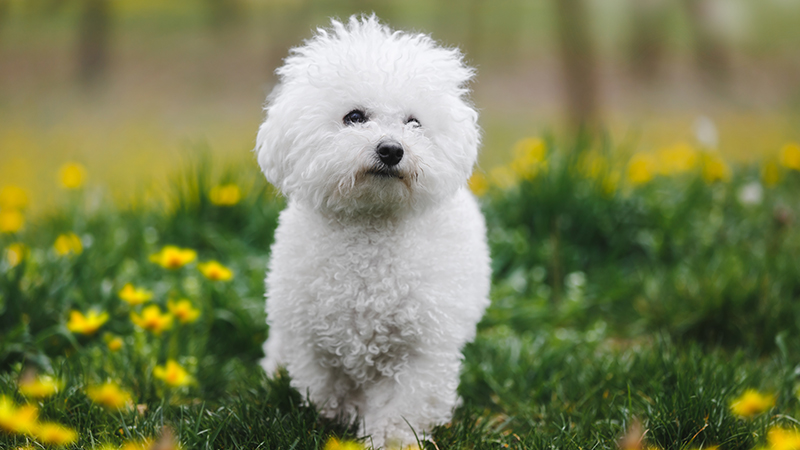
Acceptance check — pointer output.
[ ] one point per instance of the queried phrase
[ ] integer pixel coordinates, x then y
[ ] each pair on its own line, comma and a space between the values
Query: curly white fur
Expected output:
378, 275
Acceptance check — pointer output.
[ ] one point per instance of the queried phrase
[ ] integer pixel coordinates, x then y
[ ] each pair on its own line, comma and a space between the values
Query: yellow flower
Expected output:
215, 271
68, 243
593, 164
172, 374
790, 156
15, 253
72, 175
183, 310
89, 324
146, 444
783, 439
153, 320
610, 183
336, 444
676, 159
752, 403
11, 220
770, 173
114, 343
478, 184
55, 434
641, 168
38, 387
715, 168
529, 155
13, 197
503, 177
109, 395
225, 195
172, 257
134, 296
17, 420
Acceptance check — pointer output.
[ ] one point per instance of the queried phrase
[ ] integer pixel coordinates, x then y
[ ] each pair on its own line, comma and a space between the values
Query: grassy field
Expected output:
643, 302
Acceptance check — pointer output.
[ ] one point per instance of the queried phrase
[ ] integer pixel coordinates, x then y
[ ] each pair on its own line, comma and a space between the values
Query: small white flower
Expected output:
705, 131
751, 194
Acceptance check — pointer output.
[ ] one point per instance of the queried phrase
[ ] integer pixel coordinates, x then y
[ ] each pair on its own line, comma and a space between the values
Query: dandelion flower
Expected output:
68, 243
173, 374
183, 310
478, 184
153, 319
38, 387
752, 403
215, 271
13, 197
15, 253
593, 165
770, 173
88, 324
55, 434
172, 257
641, 168
114, 343
783, 439
503, 177
145, 444
715, 168
72, 175
133, 295
679, 158
11, 220
336, 444
529, 156
109, 395
15, 420
225, 195
610, 183
790, 156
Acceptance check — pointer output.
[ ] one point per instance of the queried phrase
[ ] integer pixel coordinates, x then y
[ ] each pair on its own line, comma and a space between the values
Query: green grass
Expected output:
656, 304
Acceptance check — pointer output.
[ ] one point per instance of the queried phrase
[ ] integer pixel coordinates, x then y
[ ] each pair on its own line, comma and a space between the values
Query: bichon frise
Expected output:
380, 268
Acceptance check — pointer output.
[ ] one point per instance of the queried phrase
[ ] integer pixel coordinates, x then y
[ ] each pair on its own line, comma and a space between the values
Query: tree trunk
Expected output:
93, 40
578, 61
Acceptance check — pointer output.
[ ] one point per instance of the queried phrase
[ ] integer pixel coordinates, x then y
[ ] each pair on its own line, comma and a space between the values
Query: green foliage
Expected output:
677, 254
613, 304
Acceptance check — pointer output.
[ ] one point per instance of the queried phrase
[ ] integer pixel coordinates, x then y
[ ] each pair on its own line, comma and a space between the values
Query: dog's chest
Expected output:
369, 308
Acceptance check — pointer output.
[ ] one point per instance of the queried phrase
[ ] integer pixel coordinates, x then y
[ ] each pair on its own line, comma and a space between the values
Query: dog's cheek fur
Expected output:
454, 137
285, 141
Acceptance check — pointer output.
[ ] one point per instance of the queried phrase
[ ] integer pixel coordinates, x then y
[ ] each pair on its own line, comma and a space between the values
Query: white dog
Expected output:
380, 268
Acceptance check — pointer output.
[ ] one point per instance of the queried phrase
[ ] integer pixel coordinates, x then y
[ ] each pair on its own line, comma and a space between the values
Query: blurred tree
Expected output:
93, 40
647, 39
474, 36
578, 61
223, 13
4, 7
45, 8
710, 53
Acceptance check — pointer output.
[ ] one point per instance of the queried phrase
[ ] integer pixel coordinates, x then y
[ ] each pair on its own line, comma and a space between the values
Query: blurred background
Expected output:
129, 88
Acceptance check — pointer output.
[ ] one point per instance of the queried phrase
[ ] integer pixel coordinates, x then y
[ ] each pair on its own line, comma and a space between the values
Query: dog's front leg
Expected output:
420, 396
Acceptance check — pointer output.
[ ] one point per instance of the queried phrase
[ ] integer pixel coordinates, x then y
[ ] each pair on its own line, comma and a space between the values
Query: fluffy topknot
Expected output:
363, 41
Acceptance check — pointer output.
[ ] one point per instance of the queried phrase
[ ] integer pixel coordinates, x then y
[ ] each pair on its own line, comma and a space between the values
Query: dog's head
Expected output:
369, 120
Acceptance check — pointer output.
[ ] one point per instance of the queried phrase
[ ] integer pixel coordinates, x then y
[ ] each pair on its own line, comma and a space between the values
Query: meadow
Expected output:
646, 280
639, 302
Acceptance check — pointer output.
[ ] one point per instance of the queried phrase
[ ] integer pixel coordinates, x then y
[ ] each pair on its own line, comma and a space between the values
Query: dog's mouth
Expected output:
385, 172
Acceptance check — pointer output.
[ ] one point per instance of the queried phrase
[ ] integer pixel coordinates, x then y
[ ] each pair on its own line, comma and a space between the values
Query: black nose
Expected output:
390, 153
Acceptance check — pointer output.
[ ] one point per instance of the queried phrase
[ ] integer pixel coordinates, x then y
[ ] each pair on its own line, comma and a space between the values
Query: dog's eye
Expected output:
354, 116
412, 120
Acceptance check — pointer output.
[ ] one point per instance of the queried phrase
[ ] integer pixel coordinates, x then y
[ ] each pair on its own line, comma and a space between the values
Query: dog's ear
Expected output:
271, 146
